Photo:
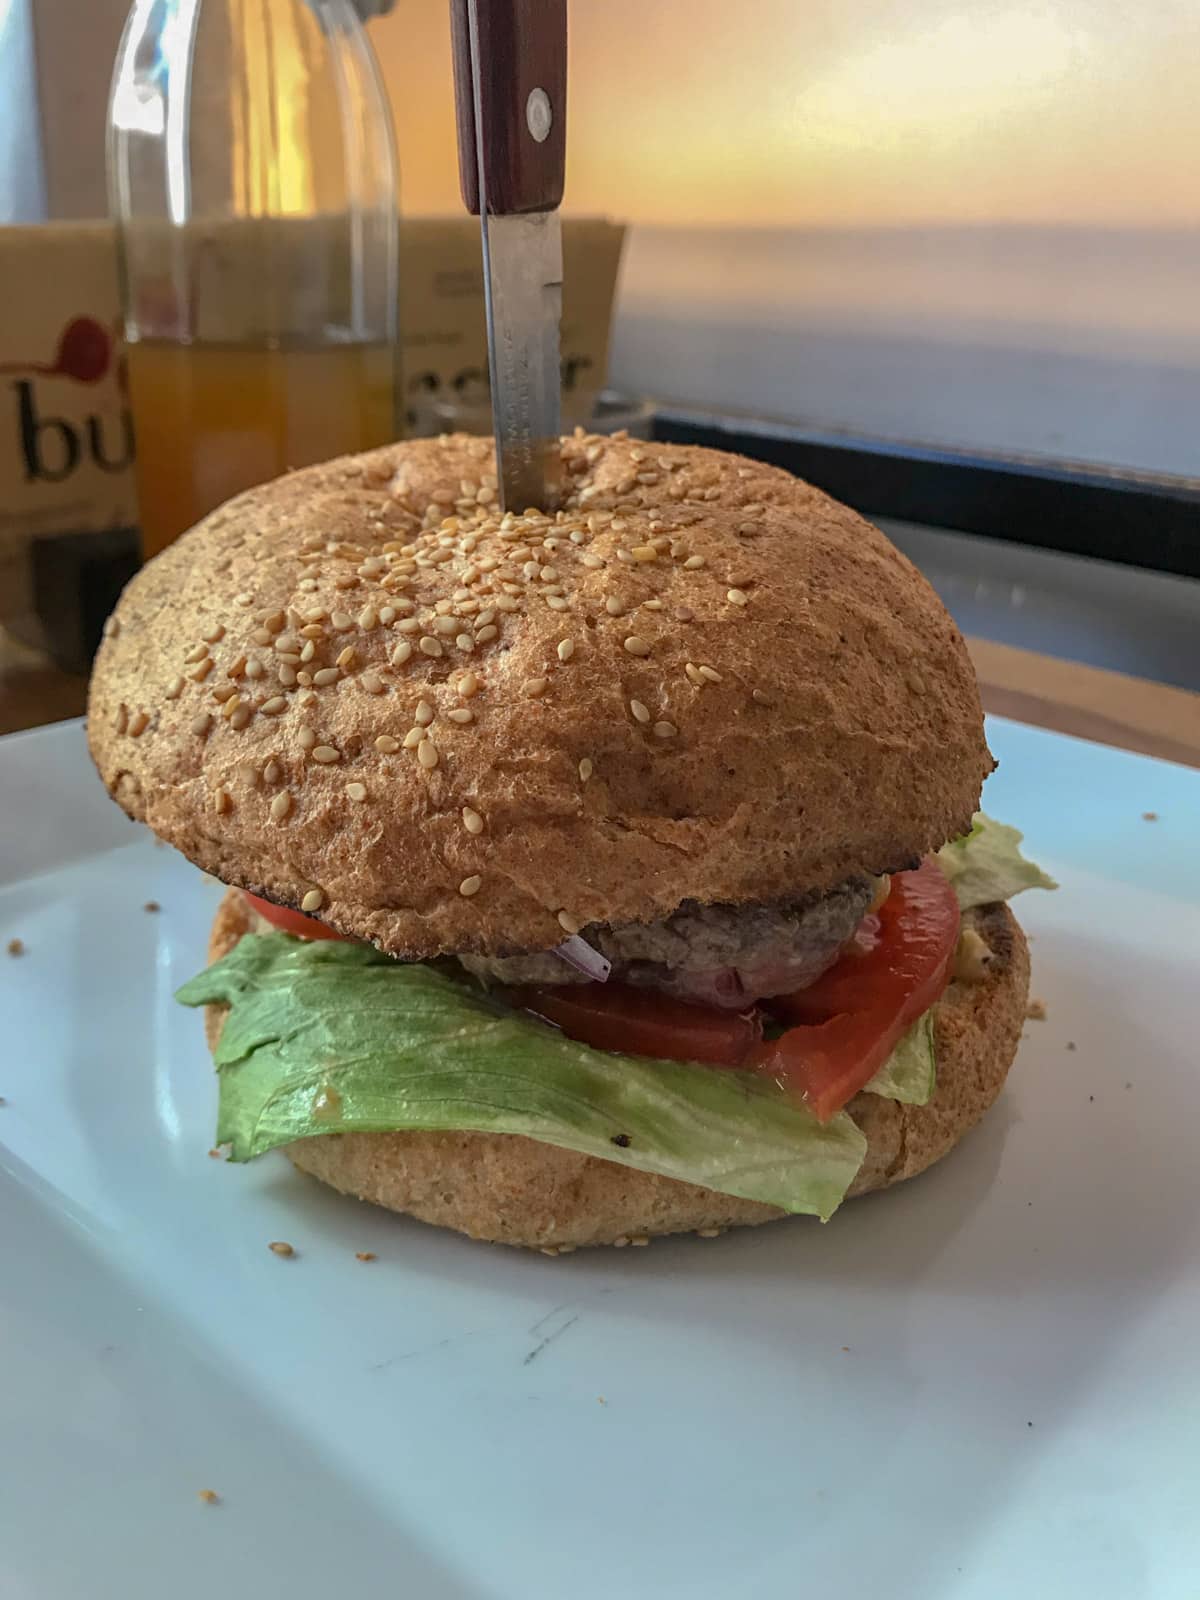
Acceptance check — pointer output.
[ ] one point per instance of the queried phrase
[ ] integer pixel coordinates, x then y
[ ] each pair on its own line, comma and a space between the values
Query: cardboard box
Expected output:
66, 434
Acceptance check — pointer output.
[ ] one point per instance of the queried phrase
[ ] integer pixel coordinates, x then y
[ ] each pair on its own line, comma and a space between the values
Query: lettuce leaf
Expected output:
909, 1074
337, 1038
986, 864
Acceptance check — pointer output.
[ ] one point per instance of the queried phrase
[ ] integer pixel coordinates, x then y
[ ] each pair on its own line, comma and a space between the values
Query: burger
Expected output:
592, 874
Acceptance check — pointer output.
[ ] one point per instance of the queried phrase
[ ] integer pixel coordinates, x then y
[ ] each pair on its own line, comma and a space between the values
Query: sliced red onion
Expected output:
578, 953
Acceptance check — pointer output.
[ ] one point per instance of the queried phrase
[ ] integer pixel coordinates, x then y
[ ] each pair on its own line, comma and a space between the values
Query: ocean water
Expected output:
1069, 343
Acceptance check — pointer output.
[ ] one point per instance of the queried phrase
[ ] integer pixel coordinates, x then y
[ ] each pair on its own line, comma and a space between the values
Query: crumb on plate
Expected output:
1036, 1011
281, 1247
1149, 816
208, 1497
365, 1255
16, 947
152, 905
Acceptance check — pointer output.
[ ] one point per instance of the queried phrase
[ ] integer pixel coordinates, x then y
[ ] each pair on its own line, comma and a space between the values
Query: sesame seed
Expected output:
566, 649
214, 634
637, 646
325, 753
387, 744
112, 627
472, 821
665, 730
221, 801
312, 631
231, 705
281, 806
737, 597
470, 886
326, 676
271, 772
202, 723
306, 738
548, 574
427, 754
174, 689
287, 675
710, 674
693, 563
592, 561
138, 723
464, 642
683, 614
485, 634
534, 687
568, 923
341, 620
413, 738
196, 653
759, 698
274, 622
644, 552
224, 691
273, 706
639, 1240
424, 713
557, 603
429, 646
639, 711
260, 636
387, 615
401, 653
652, 605
461, 714
281, 1247
347, 657
240, 718
313, 900
357, 791
614, 606
201, 671
309, 651
371, 684
408, 625
749, 529
468, 685
368, 618
255, 668
585, 769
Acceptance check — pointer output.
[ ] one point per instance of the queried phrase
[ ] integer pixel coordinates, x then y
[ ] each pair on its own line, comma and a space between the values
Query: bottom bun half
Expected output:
513, 1190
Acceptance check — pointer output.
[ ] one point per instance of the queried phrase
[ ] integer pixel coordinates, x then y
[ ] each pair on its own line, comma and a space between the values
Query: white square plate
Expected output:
984, 1383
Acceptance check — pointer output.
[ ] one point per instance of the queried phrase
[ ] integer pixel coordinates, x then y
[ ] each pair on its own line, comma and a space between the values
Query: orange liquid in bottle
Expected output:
211, 420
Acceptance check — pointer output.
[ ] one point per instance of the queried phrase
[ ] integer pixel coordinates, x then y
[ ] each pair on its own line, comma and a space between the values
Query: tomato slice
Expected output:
617, 1016
851, 1018
288, 921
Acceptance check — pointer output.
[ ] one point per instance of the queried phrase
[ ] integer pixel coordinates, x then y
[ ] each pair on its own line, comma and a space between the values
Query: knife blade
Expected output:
510, 93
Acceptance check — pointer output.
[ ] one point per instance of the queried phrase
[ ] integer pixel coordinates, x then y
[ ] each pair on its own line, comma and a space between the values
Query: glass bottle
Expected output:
252, 179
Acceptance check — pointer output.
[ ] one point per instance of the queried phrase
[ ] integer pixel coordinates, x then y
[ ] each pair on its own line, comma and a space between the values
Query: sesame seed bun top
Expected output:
362, 691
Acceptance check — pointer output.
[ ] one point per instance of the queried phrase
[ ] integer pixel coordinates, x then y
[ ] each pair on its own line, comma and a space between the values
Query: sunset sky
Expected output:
839, 112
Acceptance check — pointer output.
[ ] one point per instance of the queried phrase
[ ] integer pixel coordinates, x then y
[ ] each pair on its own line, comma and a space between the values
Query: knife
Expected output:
510, 86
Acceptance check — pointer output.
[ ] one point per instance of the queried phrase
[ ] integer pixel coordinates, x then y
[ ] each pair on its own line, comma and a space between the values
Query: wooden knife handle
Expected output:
523, 99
